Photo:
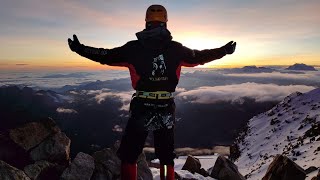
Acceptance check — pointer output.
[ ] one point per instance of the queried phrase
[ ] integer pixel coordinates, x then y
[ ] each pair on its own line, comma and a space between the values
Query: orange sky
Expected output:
34, 33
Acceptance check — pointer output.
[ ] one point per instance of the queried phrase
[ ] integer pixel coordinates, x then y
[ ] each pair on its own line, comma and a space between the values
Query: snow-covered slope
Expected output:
290, 128
206, 163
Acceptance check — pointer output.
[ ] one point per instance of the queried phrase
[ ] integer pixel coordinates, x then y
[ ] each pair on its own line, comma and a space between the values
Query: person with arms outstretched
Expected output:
154, 61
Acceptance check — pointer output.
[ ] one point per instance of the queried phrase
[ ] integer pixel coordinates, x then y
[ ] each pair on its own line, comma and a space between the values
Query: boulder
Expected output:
108, 161
283, 168
7, 172
144, 171
12, 153
192, 164
82, 168
43, 170
54, 149
108, 165
101, 173
32, 134
225, 169
203, 172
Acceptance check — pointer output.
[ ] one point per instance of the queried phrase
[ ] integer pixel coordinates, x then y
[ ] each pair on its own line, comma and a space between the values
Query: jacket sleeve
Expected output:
191, 57
113, 57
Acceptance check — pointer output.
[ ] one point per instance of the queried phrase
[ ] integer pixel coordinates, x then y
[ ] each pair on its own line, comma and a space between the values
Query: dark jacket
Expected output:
154, 60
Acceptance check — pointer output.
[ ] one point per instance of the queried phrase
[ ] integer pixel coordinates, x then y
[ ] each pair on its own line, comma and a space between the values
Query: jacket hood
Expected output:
156, 38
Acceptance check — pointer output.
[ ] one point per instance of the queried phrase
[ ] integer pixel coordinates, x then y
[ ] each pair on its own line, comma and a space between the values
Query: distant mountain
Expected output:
291, 128
21, 105
251, 69
70, 75
301, 67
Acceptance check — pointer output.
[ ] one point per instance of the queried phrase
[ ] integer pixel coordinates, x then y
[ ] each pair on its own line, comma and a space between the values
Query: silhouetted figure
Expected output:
154, 62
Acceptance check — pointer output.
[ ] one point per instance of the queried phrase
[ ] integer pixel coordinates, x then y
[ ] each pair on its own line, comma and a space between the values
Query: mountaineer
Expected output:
154, 61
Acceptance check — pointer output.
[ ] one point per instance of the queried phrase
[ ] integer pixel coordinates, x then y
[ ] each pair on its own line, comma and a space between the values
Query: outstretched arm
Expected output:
195, 57
113, 56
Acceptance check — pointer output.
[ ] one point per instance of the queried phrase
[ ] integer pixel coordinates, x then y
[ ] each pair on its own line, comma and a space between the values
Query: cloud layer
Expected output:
235, 93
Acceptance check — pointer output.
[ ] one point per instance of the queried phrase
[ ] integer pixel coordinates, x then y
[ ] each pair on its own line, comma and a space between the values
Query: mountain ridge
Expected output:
291, 128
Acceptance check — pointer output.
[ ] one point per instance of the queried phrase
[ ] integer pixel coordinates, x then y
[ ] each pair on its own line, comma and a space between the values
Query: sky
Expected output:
34, 33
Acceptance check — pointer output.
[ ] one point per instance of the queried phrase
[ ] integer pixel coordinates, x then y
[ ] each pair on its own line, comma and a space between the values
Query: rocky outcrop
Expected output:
32, 134
82, 167
12, 153
8, 172
43, 170
15, 144
224, 169
192, 164
43, 152
108, 165
283, 168
39, 148
54, 149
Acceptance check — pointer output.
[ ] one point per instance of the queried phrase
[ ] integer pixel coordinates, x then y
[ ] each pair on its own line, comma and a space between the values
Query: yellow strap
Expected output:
154, 95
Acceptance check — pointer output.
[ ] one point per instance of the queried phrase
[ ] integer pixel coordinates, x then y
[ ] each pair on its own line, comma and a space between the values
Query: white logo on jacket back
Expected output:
158, 68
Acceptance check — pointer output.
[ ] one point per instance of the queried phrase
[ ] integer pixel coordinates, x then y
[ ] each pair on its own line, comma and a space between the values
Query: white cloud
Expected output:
69, 111
125, 97
236, 92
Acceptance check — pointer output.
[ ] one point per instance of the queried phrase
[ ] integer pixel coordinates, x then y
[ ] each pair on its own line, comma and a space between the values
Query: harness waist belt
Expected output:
154, 95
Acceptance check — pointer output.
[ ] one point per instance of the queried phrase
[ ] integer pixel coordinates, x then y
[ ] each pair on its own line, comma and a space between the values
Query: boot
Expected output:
166, 172
128, 171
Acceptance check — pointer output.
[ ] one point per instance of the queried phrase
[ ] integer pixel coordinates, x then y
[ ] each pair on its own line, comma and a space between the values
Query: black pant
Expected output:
133, 140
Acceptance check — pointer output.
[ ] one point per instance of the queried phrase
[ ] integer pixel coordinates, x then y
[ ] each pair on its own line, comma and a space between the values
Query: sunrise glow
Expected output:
34, 36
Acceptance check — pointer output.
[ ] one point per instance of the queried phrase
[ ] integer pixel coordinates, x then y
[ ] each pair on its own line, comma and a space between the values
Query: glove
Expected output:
75, 44
230, 47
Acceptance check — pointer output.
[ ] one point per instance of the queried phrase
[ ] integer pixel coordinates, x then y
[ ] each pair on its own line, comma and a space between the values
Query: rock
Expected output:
43, 170
192, 164
12, 153
108, 159
101, 173
55, 149
32, 134
144, 171
34, 170
203, 172
8, 172
314, 130
82, 168
224, 169
108, 165
234, 152
283, 168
